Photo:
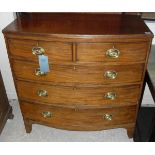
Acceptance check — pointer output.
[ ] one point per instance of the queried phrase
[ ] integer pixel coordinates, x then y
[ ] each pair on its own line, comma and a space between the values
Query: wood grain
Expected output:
76, 44
83, 119
78, 24
56, 51
79, 96
96, 52
79, 73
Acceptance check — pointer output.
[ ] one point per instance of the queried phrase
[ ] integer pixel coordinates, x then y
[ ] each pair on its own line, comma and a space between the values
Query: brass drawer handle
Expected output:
46, 114
110, 74
38, 51
110, 95
39, 73
42, 93
108, 117
113, 53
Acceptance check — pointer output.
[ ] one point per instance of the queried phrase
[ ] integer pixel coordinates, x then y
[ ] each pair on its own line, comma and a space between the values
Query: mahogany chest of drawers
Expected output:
97, 64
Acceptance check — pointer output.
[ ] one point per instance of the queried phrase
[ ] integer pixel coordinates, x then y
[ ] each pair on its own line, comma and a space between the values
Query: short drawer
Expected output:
109, 52
101, 74
82, 119
56, 51
79, 96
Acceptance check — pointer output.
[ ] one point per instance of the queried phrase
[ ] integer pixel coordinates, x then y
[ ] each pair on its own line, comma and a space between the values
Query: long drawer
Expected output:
111, 52
56, 51
79, 96
100, 74
83, 119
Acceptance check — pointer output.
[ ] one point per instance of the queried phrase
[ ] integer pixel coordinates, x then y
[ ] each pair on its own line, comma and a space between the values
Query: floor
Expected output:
14, 132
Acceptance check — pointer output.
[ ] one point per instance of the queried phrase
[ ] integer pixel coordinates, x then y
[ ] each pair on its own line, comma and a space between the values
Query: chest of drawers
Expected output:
97, 64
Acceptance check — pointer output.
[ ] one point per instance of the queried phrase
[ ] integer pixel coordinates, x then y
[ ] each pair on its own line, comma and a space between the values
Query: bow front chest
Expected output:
97, 64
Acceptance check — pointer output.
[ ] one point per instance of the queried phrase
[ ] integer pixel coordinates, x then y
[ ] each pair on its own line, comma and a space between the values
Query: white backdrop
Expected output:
5, 19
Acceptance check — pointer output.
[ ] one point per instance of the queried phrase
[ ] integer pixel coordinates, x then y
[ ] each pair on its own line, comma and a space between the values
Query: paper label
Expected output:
43, 63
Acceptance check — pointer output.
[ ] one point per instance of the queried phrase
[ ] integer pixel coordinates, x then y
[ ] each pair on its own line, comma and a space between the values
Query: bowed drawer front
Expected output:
84, 74
73, 95
84, 119
96, 62
111, 52
30, 49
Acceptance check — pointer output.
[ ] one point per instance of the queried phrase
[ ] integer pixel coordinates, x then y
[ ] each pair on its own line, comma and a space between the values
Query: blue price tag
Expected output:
43, 63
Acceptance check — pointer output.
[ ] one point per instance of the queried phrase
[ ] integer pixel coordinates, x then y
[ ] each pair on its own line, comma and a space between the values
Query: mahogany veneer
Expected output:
97, 66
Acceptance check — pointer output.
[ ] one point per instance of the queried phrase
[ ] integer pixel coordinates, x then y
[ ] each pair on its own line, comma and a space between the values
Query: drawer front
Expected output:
82, 119
56, 51
102, 74
100, 52
79, 96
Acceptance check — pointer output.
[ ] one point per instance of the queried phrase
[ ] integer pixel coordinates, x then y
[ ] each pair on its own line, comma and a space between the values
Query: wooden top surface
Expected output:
78, 24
